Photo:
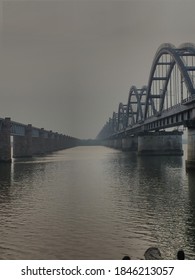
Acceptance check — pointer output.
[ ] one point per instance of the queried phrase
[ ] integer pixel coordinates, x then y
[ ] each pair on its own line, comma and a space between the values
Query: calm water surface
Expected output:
96, 203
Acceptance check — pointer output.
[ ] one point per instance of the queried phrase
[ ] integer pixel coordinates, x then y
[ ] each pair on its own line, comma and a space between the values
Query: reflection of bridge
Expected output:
167, 101
29, 140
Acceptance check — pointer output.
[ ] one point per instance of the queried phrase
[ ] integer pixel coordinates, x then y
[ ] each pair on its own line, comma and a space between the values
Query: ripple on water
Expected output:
95, 203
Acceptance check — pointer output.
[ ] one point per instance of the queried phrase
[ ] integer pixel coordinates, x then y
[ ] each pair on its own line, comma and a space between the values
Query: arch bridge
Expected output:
167, 101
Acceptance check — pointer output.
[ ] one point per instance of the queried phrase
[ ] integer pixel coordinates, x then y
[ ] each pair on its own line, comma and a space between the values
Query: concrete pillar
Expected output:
38, 143
68, 142
53, 141
35, 146
63, 141
60, 142
160, 143
117, 143
130, 143
111, 143
73, 142
48, 142
42, 141
105, 142
22, 145
190, 162
5, 143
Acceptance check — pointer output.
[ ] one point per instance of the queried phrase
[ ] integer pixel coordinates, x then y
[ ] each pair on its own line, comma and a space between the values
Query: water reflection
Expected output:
5, 182
96, 203
161, 187
190, 221
18, 177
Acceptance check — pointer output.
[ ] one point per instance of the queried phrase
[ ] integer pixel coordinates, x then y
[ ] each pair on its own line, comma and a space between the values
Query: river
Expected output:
96, 203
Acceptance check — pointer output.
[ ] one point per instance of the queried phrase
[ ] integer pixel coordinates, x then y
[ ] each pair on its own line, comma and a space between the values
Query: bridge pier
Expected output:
38, 144
130, 143
5, 142
53, 141
160, 143
117, 144
190, 162
63, 144
108, 143
49, 142
22, 145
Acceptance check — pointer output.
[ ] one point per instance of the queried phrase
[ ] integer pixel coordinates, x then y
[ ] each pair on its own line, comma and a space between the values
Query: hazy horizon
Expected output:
66, 65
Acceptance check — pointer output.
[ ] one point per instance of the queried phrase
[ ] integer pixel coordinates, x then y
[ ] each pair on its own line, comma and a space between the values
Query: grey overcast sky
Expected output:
66, 65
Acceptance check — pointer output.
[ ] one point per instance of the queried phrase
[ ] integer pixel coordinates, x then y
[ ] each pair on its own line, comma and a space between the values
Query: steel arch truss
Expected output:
115, 122
171, 83
122, 117
135, 105
171, 79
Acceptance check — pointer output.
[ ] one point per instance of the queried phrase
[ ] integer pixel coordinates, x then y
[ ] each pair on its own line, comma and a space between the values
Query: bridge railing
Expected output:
188, 99
17, 128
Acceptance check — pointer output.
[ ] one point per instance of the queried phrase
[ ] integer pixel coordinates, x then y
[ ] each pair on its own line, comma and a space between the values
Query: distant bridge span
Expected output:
168, 100
29, 140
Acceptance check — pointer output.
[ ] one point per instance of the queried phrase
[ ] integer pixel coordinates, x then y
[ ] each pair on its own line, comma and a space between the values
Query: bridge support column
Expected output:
55, 142
190, 162
105, 142
64, 142
5, 143
49, 143
22, 145
160, 143
58, 142
38, 143
130, 143
117, 143
110, 143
